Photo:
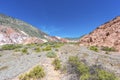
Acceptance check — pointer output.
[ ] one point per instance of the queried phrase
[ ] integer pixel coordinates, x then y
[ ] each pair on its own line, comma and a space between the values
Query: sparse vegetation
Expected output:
94, 48
109, 49
84, 71
0, 55
104, 75
36, 73
85, 76
25, 51
64, 69
17, 50
24, 77
73, 60
57, 45
51, 54
47, 48
11, 46
106, 52
80, 66
37, 49
56, 63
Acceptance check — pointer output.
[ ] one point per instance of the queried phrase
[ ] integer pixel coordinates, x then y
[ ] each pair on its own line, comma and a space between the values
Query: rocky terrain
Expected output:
107, 34
13, 64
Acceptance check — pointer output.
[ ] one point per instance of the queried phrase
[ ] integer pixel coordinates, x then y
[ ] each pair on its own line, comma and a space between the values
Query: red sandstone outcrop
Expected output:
107, 34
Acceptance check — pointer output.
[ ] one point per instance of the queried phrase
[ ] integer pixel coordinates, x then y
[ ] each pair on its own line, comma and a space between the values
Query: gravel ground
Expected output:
109, 62
18, 64
14, 64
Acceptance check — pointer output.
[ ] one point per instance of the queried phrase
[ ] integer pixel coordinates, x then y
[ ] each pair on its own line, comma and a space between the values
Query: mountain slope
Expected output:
107, 34
14, 23
14, 31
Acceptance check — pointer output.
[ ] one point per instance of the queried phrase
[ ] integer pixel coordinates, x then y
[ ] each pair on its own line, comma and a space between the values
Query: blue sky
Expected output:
65, 18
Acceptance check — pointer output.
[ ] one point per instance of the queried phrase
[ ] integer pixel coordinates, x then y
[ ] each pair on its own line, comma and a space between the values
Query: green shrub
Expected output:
104, 75
94, 48
57, 45
47, 48
108, 49
24, 77
74, 60
37, 49
64, 69
107, 52
51, 54
36, 73
25, 51
84, 71
85, 76
81, 68
56, 63
0, 55
11, 46
17, 50
30, 45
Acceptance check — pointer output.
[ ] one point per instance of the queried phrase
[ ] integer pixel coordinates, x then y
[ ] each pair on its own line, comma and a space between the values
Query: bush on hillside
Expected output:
37, 49
56, 63
57, 45
94, 48
47, 48
25, 51
11, 46
84, 71
85, 76
108, 49
0, 55
51, 54
104, 75
34, 74
73, 60
17, 50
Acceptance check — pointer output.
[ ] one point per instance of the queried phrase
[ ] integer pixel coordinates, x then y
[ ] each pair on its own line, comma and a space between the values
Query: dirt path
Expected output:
51, 74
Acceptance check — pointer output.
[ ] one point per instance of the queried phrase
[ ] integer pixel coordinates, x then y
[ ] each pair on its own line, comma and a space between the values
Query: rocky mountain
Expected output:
13, 31
14, 23
107, 34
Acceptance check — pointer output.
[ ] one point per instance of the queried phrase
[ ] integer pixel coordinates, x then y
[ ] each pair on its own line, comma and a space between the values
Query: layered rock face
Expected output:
107, 34
10, 36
